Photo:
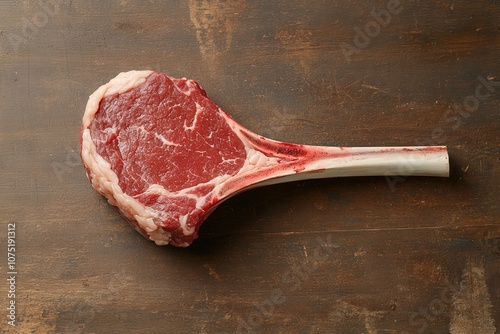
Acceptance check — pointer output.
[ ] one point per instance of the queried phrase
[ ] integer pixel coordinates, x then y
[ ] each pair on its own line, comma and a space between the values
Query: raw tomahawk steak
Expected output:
165, 155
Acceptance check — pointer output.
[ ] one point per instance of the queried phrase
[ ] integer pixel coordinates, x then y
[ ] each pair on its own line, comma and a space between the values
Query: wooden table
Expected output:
353, 255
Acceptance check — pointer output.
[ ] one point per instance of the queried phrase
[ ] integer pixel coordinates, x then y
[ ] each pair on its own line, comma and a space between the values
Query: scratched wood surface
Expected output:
358, 255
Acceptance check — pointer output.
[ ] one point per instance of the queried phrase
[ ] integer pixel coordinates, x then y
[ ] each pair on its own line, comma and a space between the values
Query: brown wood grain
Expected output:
353, 255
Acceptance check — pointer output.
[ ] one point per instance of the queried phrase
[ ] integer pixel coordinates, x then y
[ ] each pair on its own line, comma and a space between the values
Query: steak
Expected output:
165, 155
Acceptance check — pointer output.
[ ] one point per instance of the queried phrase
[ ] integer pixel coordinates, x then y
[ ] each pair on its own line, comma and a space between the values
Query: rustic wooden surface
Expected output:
419, 256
